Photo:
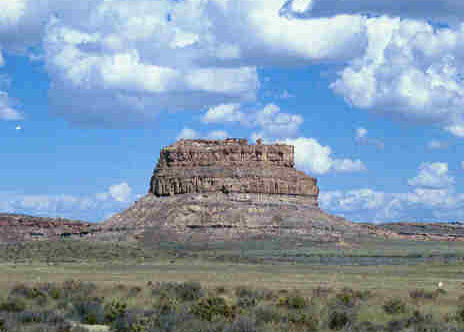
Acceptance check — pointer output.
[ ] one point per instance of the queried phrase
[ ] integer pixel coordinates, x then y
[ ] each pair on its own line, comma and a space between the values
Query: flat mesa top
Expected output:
199, 143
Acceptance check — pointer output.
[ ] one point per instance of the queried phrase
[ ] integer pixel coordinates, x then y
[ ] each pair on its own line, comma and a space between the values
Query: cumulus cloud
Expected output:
432, 175
276, 123
410, 70
135, 60
187, 133
315, 158
432, 197
271, 122
121, 192
7, 112
92, 207
224, 113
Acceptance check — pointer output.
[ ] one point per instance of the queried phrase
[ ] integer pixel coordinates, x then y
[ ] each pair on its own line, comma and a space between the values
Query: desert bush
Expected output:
166, 304
89, 312
113, 310
369, 327
27, 317
339, 319
310, 321
51, 289
187, 291
13, 304
346, 299
77, 289
246, 302
394, 306
266, 315
242, 324
293, 301
209, 307
30, 293
397, 325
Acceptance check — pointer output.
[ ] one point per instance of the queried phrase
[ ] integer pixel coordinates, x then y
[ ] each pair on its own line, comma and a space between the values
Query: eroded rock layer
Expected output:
230, 166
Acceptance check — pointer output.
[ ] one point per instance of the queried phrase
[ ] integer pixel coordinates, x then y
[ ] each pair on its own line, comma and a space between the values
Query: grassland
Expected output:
374, 275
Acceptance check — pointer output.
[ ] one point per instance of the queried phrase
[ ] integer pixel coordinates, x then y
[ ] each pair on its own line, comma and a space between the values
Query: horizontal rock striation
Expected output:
230, 166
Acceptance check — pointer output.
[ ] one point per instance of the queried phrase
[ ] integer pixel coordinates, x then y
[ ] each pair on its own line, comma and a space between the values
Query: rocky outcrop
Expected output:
230, 166
18, 227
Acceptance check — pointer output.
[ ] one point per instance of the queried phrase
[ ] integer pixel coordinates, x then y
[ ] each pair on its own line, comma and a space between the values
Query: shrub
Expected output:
394, 306
338, 319
90, 312
242, 324
28, 317
187, 291
293, 301
113, 310
246, 302
166, 304
13, 304
266, 315
346, 299
207, 308
308, 320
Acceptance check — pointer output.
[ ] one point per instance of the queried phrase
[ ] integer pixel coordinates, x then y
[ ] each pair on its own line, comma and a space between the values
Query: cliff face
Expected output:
230, 166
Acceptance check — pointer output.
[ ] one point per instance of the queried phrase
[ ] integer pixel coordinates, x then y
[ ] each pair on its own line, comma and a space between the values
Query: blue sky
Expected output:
371, 96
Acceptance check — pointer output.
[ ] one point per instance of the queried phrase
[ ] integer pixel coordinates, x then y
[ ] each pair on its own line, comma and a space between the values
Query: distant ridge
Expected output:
20, 227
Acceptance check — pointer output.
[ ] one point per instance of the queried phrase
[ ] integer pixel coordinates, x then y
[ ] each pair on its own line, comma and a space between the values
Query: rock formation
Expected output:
18, 227
230, 166
203, 190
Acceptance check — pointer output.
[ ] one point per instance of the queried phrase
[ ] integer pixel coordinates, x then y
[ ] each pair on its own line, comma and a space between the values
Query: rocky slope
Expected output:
18, 227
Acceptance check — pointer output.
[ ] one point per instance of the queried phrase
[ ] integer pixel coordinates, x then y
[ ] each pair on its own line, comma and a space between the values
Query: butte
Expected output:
218, 190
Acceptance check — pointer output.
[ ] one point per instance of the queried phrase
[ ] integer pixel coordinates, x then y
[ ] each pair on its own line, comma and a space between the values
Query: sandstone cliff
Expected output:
230, 166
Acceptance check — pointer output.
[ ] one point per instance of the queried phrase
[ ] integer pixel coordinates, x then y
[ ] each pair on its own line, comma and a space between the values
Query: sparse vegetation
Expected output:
74, 305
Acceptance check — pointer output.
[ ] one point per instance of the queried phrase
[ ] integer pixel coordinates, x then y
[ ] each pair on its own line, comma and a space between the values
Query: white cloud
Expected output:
432, 175
2, 60
224, 113
361, 137
133, 63
187, 133
218, 134
361, 133
277, 124
432, 197
312, 157
121, 192
410, 70
348, 165
18, 128
7, 112
92, 207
